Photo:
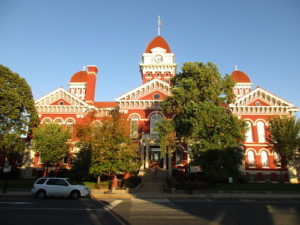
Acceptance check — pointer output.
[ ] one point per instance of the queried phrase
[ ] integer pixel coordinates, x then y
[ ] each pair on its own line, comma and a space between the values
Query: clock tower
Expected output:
158, 61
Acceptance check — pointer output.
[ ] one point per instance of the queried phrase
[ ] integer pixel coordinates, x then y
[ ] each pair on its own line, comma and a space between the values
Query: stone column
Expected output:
147, 157
142, 157
165, 162
170, 163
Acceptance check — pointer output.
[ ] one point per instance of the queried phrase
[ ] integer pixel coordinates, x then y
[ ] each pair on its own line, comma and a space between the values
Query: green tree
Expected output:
199, 103
17, 112
285, 138
217, 165
110, 146
50, 141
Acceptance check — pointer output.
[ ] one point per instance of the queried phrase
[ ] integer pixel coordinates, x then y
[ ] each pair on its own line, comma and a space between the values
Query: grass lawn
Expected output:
92, 185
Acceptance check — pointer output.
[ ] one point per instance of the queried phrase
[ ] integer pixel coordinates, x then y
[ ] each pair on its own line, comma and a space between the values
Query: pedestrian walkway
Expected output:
153, 181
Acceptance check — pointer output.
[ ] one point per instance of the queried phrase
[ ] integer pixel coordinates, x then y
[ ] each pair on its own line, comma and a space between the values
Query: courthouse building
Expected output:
141, 105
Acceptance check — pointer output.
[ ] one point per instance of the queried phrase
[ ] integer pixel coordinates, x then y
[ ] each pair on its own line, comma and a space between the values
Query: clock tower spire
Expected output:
158, 61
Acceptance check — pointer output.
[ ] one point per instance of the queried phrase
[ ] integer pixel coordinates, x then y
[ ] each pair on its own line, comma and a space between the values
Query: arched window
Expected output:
179, 154
134, 127
46, 121
154, 119
249, 134
69, 125
264, 159
251, 158
96, 124
261, 132
96, 127
59, 121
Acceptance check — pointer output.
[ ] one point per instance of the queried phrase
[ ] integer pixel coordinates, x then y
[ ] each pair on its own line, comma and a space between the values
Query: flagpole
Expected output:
158, 25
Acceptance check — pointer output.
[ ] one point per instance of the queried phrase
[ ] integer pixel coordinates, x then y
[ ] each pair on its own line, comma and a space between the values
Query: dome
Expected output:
79, 77
158, 42
240, 77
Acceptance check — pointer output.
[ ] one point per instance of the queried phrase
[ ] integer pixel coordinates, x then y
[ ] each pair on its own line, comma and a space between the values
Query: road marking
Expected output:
150, 200
108, 209
112, 205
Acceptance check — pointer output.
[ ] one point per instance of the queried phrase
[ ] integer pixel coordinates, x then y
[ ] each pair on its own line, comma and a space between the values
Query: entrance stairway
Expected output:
153, 182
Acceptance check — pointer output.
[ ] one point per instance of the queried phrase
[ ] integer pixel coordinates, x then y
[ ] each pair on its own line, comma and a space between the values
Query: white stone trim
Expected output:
46, 118
156, 112
139, 104
264, 149
260, 110
145, 89
59, 118
263, 95
70, 118
134, 114
58, 94
264, 121
250, 149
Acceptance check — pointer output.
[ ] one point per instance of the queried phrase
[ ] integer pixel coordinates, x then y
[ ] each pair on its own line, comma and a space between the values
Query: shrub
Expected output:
132, 181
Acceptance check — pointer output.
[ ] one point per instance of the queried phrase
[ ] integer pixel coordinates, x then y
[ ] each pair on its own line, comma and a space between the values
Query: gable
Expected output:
60, 94
262, 96
60, 102
146, 89
258, 102
156, 95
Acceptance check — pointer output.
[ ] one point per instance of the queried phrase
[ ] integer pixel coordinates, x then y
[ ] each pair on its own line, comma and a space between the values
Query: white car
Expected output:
54, 186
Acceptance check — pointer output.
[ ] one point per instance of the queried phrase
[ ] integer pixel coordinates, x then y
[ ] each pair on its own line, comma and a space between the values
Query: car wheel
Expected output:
41, 194
75, 195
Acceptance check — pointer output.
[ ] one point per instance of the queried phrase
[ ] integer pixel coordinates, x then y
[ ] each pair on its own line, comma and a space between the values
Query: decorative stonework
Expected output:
262, 95
146, 89
139, 104
261, 110
58, 94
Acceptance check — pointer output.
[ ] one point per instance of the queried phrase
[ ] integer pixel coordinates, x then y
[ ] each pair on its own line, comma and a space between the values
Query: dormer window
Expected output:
148, 74
157, 74
168, 73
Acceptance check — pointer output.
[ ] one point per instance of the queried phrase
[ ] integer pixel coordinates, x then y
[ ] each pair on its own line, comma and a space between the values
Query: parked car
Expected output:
54, 186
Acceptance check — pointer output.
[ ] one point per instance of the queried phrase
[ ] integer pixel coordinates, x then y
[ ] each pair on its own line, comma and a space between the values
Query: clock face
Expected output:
158, 58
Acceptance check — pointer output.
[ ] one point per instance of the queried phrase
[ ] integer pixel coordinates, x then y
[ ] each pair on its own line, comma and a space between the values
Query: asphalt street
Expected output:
209, 211
27, 210
15, 210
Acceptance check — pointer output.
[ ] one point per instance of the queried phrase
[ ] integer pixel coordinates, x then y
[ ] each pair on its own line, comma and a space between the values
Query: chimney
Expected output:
91, 84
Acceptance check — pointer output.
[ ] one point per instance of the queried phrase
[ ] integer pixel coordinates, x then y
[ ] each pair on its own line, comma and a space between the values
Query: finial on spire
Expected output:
235, 67
158, 25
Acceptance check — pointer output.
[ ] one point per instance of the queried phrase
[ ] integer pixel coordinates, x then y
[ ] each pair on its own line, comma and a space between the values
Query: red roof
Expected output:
105, 104
79, 77
240, 77
158, 42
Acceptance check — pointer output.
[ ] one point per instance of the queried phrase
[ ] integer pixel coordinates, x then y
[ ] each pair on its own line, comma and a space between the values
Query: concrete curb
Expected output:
122, 194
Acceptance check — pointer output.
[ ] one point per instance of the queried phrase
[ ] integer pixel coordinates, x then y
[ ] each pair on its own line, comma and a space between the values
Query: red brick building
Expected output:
142, 108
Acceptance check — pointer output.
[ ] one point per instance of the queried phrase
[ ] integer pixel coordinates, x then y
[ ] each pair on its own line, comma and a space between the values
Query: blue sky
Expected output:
46, 42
